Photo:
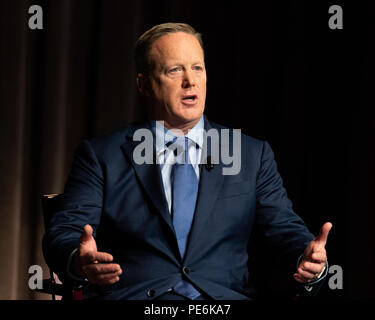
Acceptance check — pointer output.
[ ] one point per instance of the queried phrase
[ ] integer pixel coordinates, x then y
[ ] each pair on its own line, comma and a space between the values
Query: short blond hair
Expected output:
145, 41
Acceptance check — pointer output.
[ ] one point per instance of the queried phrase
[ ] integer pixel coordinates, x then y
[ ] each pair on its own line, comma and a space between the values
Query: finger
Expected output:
100, 276
321, 239
102, 256
314, 268
104, 279
100, 268
89, 257
96, 277
323, 233
319, 257
299, 278
305, 274
87, 233
96, 257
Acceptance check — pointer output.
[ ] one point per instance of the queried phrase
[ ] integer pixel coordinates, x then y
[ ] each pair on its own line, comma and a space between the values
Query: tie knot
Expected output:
180, 147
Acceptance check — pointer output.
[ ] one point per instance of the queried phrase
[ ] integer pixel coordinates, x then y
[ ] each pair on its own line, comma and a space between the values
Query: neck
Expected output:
177, 128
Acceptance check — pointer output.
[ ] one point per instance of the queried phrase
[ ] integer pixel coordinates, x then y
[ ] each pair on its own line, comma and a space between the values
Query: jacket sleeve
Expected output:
283, 232
80, 204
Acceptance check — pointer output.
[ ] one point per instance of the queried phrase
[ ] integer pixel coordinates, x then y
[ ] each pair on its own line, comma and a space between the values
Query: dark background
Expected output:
275, 70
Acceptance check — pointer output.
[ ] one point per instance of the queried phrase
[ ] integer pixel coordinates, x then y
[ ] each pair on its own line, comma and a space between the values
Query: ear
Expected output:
143, 84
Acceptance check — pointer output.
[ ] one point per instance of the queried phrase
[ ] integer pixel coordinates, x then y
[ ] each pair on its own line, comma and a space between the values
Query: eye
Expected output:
174, 70
197, 68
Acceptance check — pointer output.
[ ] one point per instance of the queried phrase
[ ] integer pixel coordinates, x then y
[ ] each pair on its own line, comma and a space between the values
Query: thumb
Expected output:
87, 234
321, 239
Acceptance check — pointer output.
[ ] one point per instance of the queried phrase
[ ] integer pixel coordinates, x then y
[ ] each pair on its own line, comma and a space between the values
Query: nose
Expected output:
188, 80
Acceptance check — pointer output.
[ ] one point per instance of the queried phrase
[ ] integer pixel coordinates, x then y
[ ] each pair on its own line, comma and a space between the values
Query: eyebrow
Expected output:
181, 64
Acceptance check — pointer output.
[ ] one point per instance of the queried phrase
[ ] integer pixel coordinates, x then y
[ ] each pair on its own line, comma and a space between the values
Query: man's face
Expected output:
177, 83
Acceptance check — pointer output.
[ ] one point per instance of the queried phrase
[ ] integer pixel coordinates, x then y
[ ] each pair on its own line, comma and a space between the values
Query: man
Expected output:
175, 229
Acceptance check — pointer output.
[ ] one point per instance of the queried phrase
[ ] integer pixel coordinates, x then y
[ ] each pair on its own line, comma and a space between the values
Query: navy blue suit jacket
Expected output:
126, 206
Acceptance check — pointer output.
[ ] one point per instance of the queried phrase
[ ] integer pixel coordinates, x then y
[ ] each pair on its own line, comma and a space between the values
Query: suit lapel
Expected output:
210, 183
149, 176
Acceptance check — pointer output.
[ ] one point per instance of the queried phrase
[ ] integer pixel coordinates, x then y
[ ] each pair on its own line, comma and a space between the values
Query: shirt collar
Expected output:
163, 135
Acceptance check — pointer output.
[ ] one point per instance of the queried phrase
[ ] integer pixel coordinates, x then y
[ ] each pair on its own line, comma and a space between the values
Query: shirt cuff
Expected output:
68, 269
309, 285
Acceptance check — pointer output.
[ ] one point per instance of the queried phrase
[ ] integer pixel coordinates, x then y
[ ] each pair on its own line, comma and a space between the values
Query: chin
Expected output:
192, 114
186, 118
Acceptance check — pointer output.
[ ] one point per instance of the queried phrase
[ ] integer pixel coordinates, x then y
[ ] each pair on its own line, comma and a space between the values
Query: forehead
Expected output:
176, 47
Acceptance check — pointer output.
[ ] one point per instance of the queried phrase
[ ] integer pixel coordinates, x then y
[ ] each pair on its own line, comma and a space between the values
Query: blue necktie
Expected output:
184, 196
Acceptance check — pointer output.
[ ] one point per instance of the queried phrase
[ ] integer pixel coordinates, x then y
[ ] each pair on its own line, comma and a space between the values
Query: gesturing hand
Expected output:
314, 257
94, 265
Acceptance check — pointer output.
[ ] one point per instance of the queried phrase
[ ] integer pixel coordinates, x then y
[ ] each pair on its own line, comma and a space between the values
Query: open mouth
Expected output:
189, 99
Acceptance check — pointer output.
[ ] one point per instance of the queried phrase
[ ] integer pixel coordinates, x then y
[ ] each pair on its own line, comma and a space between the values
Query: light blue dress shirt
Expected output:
165, 156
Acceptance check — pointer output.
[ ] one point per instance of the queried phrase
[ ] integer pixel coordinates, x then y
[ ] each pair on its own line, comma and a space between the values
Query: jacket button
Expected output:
150, 293
186, 270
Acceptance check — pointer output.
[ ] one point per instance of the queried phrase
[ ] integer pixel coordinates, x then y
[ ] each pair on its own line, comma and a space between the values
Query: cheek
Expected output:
172, 97
167, 91
203, 85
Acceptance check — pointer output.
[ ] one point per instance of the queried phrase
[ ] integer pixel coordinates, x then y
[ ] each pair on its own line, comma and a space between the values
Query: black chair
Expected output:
53, 285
